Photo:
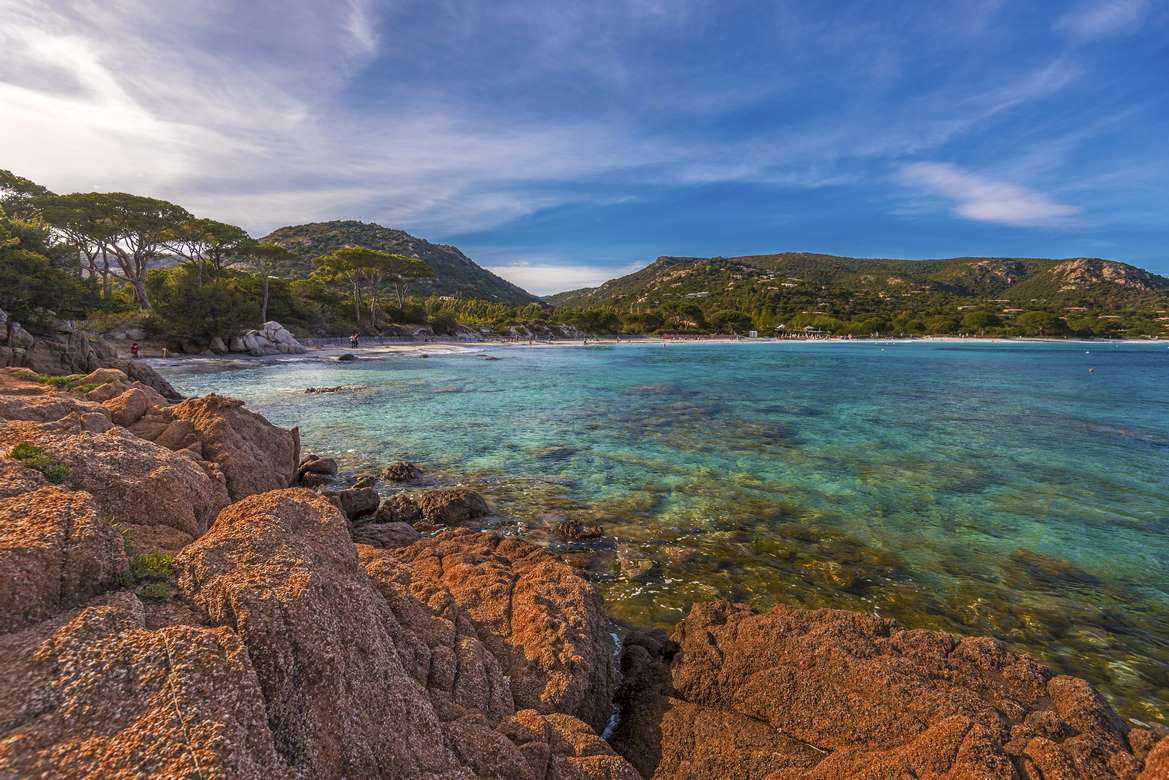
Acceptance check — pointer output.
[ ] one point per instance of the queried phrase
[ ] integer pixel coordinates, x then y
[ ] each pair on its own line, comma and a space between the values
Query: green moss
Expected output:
35, 457
151, 566
59, 381
155, 591
87, 387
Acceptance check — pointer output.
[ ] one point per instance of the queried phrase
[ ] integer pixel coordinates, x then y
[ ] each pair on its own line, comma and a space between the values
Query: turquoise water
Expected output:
979, 488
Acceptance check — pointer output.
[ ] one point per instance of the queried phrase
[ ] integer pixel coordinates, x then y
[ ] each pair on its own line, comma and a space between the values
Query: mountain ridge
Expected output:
455, 273
1011, 277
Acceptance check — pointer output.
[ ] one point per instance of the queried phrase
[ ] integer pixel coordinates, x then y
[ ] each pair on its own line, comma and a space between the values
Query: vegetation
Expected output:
35, 457
149, 574
105, 256
455, 275
778, 294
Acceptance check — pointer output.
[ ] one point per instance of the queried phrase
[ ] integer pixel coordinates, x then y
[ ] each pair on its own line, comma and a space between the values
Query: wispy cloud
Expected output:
987, 200
1099, 19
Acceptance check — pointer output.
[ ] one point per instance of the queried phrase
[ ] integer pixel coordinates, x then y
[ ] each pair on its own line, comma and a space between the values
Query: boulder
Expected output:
402, 471
279, 569
280, 339
141, 371
799, 693
311, 480
575, 530
251, 343
355, 501
540, 618
95, 693
315, 464
398, 508
55, 552
128, 407
162, 499
237, 345
450, 506
254, 455
217, 346
18, 337
384, 534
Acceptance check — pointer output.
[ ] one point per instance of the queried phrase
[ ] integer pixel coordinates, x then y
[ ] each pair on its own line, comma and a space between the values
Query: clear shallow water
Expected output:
991, 488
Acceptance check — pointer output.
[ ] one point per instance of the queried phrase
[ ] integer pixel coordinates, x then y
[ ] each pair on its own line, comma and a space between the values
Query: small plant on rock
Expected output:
149, 575
35, 457
59, 381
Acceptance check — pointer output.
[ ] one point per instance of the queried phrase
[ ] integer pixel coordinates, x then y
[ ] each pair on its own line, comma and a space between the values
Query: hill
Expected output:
1012, 278
795, 286
455, 273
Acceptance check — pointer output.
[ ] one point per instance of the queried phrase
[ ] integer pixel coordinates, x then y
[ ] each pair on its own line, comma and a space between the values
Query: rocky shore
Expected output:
182, 594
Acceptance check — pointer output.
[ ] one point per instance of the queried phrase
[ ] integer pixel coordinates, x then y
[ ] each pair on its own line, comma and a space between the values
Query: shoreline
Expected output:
441, 348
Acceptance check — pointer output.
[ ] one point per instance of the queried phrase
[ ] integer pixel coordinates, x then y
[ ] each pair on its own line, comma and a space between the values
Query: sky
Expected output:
562, 143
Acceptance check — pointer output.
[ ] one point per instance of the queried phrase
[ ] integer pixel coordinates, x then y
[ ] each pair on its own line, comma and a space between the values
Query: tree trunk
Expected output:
264, 305
140, 293
372, 310
105, 275
401, 299
357, 305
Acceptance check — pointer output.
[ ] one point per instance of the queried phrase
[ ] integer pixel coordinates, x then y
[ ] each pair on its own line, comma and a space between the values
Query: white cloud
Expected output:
546, 278
124, 97
1103, 19
987, 200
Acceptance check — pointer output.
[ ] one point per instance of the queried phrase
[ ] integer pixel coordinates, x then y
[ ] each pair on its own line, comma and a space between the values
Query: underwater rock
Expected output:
402, 471
574, 530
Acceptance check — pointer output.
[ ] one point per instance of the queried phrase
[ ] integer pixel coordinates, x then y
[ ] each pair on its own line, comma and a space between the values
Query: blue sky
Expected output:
564, 143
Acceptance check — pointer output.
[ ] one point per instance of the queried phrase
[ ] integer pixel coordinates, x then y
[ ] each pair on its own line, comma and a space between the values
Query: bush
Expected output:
155, 591
35, 457
58, 381
186, 309
150, 566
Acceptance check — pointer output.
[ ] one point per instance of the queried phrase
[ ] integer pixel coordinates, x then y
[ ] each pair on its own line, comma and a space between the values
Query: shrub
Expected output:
35, 457
58, 381
149, 574
155, 591
150, 566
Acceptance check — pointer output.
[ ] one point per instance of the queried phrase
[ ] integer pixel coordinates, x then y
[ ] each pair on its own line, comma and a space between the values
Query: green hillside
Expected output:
1090, 295
455, 273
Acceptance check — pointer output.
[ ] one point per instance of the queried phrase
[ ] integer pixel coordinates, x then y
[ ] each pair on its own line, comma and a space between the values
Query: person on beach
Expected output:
134, 349
355, 340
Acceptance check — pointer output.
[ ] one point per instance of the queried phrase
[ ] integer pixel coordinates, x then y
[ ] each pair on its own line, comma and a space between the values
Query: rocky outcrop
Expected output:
540, 618
161, 499
64, 350
55, 552
94, 693
253, 454
829, 694
68, 350
271, 339
366, 680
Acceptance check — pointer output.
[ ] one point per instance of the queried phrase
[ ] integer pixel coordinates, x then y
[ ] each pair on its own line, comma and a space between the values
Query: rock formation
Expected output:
830, 694
69, 350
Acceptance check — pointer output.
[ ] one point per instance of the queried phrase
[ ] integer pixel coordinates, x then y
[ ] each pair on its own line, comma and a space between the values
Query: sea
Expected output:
1018, 490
